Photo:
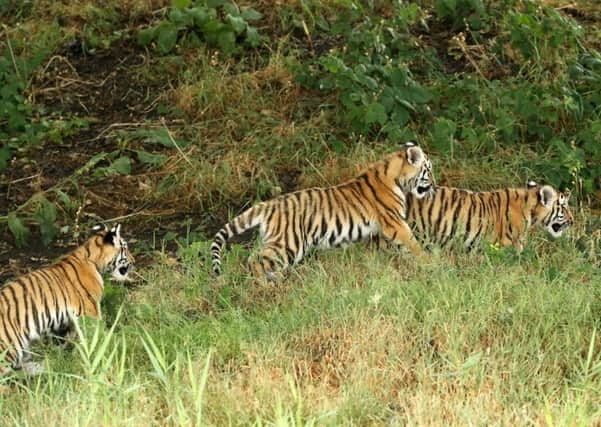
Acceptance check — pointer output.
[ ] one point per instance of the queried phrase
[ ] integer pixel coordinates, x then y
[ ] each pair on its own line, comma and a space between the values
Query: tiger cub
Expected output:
500, 216
50, 300
373, 203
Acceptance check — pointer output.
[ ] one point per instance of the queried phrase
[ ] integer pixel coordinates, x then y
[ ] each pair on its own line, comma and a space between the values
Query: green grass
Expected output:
350, 337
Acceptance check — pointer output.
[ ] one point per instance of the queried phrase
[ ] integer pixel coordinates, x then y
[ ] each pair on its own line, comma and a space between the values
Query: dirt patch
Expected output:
89, 98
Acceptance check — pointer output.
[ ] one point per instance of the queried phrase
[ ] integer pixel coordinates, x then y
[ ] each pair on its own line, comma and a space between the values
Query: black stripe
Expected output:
39, 299
507, 205
66, 299
31, 311
16, 327
81, 283
374, 194
74, 286
454, 223
44, 289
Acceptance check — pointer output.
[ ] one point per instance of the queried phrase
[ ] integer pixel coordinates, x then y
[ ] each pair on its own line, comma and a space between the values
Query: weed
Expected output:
191, 24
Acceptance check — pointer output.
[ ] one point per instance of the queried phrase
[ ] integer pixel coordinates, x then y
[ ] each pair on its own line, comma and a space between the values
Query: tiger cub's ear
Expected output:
567, 193
531, 184
415, 155
114, 235
547, 195
99, 228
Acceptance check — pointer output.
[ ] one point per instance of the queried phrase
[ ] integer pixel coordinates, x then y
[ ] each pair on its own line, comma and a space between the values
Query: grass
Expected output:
353, 336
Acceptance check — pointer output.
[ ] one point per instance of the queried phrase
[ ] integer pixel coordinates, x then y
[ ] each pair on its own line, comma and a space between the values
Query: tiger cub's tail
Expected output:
248, 219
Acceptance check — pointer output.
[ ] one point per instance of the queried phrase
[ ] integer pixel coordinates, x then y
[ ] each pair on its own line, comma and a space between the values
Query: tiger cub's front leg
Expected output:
398, 232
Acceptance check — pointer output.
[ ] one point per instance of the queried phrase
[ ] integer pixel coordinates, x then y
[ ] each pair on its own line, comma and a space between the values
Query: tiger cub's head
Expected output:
412, 170
551, 210
110, 252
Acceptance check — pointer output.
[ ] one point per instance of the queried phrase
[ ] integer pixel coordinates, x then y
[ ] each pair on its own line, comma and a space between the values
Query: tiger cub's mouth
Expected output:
121, 274
557, 227
423, 190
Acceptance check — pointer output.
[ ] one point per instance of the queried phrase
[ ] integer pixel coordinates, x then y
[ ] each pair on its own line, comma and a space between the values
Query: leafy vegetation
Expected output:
393, 85
172, 118
200, 23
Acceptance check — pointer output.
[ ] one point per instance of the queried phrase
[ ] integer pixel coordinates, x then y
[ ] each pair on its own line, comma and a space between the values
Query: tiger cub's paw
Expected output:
32, 368
270, 278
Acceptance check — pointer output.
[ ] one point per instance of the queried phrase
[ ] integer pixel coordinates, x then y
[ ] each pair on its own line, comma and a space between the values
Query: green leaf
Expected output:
200, 15
159, 136
232, 9
146, 36
45, 215
66, 200
398, 77
226, 40
167, 37
400, 117
442, 135
18, 230
181, 4
375, 112
238, 24
181, 18
416, 93
192, 40
5, 155
121, 166
150, 158
367, 81
252, 36
337, 145
211, 29
215, 3
251, 15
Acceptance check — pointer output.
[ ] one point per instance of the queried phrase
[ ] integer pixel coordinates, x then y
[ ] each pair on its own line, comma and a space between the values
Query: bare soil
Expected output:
109, 91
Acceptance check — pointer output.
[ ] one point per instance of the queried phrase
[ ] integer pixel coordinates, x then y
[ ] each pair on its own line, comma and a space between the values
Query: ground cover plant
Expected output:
172, 117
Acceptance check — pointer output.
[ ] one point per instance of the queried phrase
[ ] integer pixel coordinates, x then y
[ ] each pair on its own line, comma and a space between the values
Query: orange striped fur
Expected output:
51, 299
371, 204
501, 216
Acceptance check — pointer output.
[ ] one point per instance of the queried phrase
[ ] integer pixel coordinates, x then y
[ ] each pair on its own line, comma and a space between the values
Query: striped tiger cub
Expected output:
50, 300
500, 216
373, 203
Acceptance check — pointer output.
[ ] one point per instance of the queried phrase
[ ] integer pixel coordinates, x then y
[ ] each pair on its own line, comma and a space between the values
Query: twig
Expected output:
460, 39
175, 143
566, 6
139, 276
110, 127
308, 34
25, 179
62, 58
10, 184
318, 172
140, 213
12, 54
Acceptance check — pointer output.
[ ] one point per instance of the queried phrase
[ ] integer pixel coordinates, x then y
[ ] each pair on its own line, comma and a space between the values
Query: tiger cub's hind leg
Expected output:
18, 359
65, 336
269, 263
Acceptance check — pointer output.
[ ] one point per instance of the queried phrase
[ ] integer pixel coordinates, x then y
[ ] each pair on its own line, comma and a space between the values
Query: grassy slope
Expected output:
352, 336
